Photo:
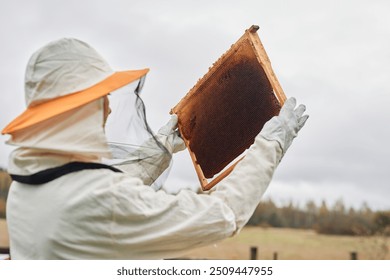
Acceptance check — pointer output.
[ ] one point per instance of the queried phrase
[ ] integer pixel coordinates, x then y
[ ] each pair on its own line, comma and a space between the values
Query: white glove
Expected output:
169, 136
284, 128
149, 161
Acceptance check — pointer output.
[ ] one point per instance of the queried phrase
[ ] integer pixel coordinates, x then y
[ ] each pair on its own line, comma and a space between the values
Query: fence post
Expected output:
4, 250
253, 253
354, 256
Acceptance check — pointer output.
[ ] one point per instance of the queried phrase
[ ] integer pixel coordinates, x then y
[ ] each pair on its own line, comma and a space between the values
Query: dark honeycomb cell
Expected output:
228, 109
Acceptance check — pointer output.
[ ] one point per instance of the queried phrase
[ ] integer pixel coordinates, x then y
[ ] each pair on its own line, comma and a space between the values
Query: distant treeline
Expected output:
323, 219
5, 182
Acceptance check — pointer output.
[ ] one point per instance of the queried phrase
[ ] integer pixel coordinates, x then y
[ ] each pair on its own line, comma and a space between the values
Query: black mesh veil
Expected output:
135, 148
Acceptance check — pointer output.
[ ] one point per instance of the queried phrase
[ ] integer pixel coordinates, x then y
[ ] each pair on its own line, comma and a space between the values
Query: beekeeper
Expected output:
75, 197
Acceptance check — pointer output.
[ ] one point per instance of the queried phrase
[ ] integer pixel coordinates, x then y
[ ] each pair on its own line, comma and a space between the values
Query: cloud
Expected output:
332, 55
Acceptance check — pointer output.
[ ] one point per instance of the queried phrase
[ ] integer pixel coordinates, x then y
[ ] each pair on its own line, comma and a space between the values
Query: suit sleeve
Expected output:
153, 225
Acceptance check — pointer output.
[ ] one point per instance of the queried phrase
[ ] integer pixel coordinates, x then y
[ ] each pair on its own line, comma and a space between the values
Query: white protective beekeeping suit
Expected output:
100, 213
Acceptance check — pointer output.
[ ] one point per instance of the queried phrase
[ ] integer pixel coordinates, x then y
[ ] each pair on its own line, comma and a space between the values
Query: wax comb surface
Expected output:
221, 115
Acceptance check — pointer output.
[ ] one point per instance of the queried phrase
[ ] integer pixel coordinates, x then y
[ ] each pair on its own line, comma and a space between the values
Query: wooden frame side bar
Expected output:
265, 62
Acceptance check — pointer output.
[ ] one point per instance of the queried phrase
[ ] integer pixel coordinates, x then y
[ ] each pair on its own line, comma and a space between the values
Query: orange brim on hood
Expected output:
43, 111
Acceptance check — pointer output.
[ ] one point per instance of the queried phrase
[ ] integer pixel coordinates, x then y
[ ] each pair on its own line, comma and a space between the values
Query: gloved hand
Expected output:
149, 161
284, 128
169, 136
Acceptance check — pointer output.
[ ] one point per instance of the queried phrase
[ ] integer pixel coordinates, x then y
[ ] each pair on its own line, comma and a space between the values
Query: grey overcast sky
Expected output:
332, 55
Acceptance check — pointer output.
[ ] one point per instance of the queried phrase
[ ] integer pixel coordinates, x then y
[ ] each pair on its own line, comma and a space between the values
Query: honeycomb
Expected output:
222, 114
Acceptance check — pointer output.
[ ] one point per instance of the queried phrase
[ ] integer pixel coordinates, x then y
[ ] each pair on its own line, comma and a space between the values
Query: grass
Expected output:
290, 244
294, 244
4, 243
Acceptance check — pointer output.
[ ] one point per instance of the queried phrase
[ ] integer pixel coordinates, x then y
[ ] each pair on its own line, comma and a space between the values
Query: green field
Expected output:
289, 244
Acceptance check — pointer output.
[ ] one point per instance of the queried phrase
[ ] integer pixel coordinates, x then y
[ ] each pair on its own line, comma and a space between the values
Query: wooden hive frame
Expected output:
240, 90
